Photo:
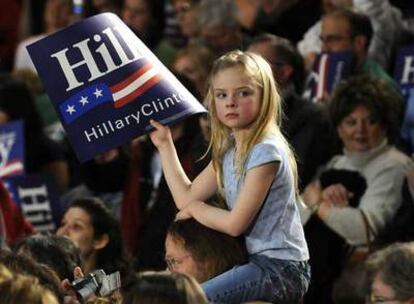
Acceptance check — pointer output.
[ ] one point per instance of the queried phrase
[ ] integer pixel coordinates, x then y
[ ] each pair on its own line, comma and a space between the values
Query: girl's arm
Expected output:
249, 201
182, 189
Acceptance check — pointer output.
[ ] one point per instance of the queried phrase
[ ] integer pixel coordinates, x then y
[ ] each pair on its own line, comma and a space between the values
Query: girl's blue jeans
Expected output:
262, 279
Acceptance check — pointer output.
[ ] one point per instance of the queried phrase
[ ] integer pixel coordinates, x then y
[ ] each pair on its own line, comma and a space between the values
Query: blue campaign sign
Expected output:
38, 200
106, 84
11, 149
404, 76
329, 69
404, 69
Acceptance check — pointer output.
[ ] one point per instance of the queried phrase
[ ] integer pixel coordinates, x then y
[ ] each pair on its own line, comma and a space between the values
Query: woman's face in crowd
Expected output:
360, 131
137, 15
187, 14
76, 225
180, 260
186, 66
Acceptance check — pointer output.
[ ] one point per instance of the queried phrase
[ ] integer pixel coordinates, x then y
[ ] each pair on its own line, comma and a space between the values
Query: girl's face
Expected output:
76, 225
237, 98
359, 131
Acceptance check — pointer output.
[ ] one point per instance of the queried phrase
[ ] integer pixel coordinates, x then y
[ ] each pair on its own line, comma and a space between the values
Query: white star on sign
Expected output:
97, 93
84, 100
70, 109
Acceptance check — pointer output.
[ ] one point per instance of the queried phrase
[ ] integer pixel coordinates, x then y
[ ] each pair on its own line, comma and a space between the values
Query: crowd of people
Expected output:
270, 196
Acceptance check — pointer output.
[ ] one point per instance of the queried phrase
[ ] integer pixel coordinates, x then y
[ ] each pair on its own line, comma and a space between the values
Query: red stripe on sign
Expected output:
127, 99
120, 85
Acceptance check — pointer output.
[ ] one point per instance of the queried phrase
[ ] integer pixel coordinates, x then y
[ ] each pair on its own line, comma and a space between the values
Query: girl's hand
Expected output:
188, 210
337, 195
183, 214
161, 135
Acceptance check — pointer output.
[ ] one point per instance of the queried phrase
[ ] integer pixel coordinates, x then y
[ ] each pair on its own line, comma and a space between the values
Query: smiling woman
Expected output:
364, 111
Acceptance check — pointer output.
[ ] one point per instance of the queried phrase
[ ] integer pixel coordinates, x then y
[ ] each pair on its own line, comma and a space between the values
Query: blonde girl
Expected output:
254, 170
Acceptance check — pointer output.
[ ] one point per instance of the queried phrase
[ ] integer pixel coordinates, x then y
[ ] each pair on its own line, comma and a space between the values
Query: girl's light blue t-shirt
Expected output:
277, 231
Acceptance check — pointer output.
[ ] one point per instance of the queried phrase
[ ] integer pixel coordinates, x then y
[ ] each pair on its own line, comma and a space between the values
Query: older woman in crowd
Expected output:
358, 192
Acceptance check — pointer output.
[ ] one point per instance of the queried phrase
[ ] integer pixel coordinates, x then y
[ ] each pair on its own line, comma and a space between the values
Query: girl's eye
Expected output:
244, 93
220, 95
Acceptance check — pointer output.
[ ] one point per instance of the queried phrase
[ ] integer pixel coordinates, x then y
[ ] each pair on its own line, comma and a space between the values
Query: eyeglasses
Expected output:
333, 38
173, 263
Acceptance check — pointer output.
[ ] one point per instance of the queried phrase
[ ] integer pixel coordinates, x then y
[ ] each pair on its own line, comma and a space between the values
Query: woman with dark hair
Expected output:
358, 192
57, 252
89, 224
42, 154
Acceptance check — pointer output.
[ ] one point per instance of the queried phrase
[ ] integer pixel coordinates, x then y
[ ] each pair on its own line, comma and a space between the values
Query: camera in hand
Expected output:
96, 283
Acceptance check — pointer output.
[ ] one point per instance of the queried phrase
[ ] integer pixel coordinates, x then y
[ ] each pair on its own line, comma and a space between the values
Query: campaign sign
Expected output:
11, 149
404, 69
404, 76
38, 200
328, 70
106, 84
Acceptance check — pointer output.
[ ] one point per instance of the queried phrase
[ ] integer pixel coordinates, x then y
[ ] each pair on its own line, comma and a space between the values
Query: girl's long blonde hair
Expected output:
267, 123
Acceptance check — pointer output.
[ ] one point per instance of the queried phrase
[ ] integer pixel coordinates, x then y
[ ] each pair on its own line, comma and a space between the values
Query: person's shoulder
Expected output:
268, 142
398, 156
268, 148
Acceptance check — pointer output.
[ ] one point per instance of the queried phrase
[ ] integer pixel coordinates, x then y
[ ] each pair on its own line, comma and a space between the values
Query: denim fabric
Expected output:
263, 278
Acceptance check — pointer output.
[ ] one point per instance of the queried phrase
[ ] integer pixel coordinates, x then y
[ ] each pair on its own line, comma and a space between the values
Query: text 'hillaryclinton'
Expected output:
106, 84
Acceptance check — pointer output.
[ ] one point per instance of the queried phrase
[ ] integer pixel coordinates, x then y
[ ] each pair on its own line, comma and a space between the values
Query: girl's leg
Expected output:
263, 279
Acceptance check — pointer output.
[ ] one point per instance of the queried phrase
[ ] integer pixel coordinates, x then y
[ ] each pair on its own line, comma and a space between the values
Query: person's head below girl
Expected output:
90, 225
201, 252
244, 105
163, 288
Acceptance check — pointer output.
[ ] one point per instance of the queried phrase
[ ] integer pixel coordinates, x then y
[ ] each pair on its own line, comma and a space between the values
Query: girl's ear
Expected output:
100, 243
